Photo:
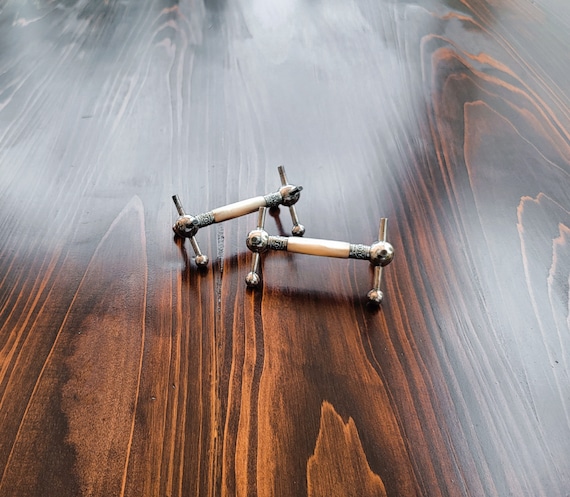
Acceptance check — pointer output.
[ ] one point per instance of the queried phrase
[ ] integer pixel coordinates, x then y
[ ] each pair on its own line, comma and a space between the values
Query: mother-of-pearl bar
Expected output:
312, 246
238, 209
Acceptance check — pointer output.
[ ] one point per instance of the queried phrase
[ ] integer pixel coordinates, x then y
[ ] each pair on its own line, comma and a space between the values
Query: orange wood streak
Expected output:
338, 465
284, 387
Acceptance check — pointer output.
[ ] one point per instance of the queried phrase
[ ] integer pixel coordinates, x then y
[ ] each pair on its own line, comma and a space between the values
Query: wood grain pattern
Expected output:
126, 371
338, 465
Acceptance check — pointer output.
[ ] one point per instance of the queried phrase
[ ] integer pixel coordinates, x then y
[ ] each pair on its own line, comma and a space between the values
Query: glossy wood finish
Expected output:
125, 371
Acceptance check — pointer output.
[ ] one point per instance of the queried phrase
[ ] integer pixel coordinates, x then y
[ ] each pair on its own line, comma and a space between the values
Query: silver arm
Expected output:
298, 229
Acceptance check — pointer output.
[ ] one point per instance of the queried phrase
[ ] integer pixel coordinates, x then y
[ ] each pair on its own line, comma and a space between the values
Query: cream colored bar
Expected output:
238, 209
313, 246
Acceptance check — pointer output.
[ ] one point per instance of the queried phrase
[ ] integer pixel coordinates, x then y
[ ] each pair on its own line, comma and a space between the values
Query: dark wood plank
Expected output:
80, 411
124, 370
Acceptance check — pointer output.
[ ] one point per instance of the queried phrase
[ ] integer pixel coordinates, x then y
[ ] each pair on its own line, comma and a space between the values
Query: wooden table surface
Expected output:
126, 371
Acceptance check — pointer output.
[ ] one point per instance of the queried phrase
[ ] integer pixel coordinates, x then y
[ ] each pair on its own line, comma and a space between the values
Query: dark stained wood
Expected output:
126, 371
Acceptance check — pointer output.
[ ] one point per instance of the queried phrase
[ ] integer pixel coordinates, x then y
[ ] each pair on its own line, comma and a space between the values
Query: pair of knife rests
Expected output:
380, 253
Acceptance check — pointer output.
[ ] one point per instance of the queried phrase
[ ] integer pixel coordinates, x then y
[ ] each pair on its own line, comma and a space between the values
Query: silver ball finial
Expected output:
186, 226
381, 253
375, 296
201, 260
290, 194
257, 240
298, 230
252, 280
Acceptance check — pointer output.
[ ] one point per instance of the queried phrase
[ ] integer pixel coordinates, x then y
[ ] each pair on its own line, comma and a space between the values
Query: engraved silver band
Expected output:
273, 199
359, 251
277, 243
204, 219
